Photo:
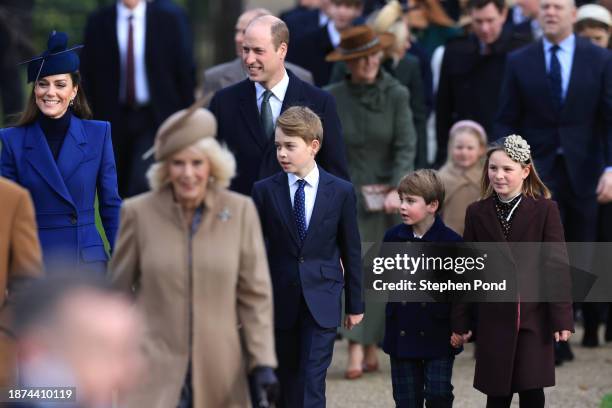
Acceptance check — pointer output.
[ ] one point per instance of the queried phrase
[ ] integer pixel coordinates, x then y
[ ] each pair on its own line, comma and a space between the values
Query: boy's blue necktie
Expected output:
299, 209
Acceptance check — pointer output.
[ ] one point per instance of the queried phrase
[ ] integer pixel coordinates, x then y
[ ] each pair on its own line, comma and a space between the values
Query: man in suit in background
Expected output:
137, 70
557, 94
20, 260
469, 84
229, 73
301, 7
247, 111
303, 19
309, 51
523, 19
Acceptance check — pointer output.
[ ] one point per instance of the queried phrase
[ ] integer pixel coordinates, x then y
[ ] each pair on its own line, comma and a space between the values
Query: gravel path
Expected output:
581, 383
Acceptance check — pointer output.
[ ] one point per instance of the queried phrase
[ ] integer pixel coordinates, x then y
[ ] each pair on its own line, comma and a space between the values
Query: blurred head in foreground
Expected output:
78, 333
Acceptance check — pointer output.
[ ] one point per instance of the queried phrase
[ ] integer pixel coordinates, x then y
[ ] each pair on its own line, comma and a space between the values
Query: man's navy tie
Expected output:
554, 77
299, 209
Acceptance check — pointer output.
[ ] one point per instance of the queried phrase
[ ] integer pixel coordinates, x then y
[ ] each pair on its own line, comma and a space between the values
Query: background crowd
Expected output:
398, 86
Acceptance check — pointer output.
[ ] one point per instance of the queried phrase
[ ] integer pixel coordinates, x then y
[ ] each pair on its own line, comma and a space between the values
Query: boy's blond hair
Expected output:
423, 183
302, 122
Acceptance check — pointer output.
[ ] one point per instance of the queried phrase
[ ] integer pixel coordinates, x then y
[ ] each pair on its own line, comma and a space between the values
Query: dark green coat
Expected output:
380, 143
378, 130
408, 72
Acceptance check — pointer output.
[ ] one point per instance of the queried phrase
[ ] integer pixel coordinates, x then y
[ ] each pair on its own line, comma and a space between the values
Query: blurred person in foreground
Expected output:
192, 254
20, 261
79, 333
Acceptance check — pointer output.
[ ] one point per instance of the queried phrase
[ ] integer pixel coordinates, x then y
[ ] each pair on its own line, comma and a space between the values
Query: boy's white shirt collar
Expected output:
312, 178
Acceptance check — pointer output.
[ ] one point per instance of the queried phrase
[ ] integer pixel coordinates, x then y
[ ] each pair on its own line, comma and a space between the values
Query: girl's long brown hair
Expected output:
80, 108
533, 186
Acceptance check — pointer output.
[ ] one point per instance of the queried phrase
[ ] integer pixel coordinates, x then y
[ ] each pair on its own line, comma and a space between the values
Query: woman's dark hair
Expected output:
80, 108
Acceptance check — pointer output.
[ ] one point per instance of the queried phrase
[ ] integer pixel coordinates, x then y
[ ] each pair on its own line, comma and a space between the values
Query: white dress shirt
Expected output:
310, 190
278, 95
139, 22
565, 55
323, 18
334, 34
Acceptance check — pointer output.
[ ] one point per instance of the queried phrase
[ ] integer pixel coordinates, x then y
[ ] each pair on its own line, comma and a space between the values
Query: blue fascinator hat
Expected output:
56, 59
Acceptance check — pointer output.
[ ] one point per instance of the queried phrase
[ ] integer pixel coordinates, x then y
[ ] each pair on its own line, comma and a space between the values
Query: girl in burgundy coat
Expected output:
515, 341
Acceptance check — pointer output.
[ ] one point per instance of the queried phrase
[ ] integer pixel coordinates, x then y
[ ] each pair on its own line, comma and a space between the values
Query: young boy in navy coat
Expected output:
309, 224
418, 335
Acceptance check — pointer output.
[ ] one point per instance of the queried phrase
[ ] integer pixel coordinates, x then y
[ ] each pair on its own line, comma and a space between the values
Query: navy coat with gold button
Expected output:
64, 192
419, 330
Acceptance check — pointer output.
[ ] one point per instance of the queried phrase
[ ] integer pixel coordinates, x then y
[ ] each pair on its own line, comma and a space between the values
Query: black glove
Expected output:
263, 386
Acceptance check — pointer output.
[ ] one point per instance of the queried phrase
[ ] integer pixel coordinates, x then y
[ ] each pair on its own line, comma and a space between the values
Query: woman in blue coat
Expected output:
64, 160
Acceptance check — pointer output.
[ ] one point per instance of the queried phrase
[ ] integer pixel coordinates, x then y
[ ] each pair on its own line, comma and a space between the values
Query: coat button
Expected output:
402, 333
422, 333
73, 219
301, 259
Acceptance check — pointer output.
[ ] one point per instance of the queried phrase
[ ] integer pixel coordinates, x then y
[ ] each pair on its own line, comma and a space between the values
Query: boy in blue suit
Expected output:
309, 222
418, 335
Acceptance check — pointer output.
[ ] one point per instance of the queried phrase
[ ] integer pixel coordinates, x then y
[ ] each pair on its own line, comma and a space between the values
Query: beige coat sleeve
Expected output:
125, 264
25, 252
254, 293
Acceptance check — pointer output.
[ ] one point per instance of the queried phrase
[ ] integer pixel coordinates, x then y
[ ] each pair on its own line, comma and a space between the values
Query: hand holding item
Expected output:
458, 340
604, 188
264, 387
352, 320
392, 202
562, 335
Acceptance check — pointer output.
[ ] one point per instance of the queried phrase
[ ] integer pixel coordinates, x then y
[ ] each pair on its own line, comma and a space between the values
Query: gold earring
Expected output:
71, 102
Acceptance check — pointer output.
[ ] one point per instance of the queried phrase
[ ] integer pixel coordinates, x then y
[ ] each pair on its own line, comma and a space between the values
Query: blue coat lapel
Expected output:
283, 205
325, 194
250, 113
71, 155
40, 158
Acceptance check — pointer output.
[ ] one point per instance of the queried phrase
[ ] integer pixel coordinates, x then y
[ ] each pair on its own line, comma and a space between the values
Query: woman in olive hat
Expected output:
380, 140
64, 160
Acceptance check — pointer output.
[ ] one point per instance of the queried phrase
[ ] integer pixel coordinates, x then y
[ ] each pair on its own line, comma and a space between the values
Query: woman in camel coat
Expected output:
193, 255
